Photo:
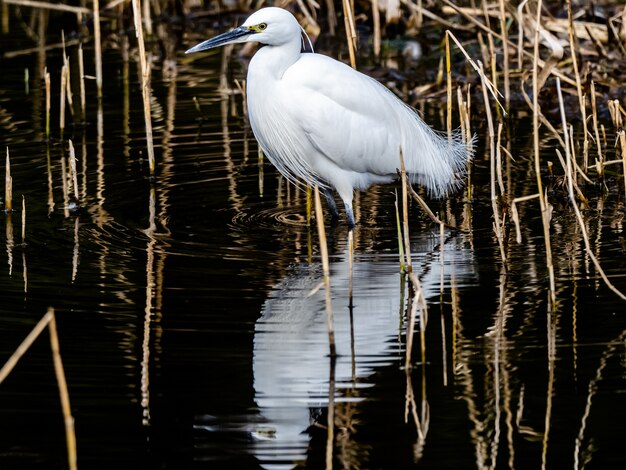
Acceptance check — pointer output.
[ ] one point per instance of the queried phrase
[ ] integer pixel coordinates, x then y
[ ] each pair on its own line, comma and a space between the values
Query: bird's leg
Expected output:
332, 205
350, 217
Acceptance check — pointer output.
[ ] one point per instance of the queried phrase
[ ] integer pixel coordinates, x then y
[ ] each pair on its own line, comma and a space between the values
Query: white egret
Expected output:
320, 121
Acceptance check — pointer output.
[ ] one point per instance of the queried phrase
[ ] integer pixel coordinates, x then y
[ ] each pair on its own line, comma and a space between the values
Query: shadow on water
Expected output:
187, 327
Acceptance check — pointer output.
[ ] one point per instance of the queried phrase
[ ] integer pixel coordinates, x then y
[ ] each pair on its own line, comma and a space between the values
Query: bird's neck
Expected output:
275, 60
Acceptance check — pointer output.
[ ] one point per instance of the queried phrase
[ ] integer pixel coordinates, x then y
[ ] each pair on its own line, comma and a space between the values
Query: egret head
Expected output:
271, 26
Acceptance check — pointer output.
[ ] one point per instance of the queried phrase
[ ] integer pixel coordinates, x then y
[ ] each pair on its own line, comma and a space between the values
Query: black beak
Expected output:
220, 40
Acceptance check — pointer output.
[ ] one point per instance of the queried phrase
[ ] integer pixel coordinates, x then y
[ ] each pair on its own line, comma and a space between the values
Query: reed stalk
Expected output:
505, 56
74, 172
97, 46
8, 186
570, 187
400, 243
47, 85
81, 73
23, 220
145, 84
545, 213
62, 100
321, 232
376, 23
405, 215
348, 16
448, 90
594, 115
70, 434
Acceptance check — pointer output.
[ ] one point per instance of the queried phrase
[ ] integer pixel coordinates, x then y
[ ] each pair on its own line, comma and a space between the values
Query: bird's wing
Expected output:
348, 117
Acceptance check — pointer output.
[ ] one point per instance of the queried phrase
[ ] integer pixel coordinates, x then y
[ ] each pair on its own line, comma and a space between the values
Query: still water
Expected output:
191, 331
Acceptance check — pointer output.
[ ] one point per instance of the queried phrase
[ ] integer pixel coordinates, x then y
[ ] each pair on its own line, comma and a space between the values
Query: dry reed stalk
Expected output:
97, 46
545, 213
62, 100
505, 55
147, 17
70, 434
448, 90
145, 84
376, 22
309, 204
261, 171
47, 84
64, 185
594, 114
348, 16
73, 172
81, 73
68, 75
420, 11
621, 135
405, 215
515, 215
400, 244
492, 48
23, 221
76, 250
498, 223
570, 187
330, 421
49, 6
321, 232
490, 86
8, 186
572, 47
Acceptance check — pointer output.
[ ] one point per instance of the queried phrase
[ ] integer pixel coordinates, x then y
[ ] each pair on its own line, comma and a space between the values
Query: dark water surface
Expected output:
187, 329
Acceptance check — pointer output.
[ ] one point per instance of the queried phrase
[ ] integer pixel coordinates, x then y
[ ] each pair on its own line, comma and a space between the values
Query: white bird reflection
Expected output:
291, 362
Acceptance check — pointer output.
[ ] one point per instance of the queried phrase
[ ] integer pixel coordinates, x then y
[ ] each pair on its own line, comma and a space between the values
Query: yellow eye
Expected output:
261, 26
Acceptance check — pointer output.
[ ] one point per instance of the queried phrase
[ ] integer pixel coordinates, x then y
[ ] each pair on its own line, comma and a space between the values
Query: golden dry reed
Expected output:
8, 186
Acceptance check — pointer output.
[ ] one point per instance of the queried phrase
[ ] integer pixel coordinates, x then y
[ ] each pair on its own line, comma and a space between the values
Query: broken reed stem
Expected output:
572, 47
405, 215
49, 6
8, 186
594, 114
70, 434
348, 16
572, 197
515, 215
326, 269
47, 85
545, 217
145, 84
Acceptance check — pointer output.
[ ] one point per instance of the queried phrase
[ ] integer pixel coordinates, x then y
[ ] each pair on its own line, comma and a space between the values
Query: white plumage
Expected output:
320, 121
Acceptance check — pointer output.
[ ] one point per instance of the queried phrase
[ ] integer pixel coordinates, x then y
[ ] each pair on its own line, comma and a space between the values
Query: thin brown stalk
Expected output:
8, 186
515, 214
81, 73
348, 15
62, 99
47, 84
23, 220
326, 269
145, 84
98, 46
400, 244
570, 187
448, 89
70, 434
73, 171
621, 135
545, 213
505, 55
405, 215
49, 6
594, 115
